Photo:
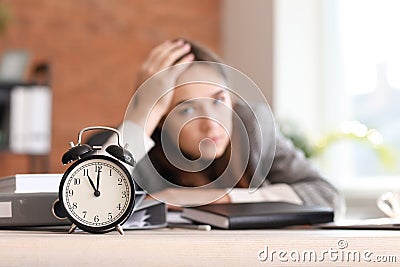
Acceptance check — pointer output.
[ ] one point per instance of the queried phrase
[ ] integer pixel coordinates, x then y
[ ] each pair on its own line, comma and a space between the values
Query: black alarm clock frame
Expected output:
97, 192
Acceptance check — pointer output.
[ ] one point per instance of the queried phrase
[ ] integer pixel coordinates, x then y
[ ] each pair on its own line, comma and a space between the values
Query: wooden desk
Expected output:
176, 247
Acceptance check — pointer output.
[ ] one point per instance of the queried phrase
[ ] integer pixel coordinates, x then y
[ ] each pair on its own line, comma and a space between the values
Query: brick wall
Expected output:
94, 48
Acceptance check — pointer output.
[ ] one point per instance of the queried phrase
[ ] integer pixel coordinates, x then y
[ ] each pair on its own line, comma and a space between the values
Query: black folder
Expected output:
258, 215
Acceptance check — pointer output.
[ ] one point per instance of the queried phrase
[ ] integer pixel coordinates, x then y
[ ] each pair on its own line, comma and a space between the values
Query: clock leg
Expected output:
119, 229
72, 229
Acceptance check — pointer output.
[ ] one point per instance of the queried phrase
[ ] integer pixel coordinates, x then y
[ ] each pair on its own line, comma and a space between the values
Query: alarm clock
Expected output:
97, 192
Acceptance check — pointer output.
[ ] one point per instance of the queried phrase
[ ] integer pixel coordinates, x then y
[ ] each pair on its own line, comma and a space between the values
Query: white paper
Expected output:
137, 220
176, 217
5, 209
34, 183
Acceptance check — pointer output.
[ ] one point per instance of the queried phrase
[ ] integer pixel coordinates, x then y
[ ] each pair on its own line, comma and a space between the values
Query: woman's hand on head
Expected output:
164, 56
161, 57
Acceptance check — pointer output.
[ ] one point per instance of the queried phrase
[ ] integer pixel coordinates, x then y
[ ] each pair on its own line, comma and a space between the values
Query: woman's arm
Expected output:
141, 118
291, 177
291, 167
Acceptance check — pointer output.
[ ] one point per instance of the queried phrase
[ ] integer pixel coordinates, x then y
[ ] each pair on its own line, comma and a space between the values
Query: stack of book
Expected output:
26, 200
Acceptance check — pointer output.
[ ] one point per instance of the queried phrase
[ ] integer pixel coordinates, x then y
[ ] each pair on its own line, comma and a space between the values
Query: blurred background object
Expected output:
349, 131
13, 65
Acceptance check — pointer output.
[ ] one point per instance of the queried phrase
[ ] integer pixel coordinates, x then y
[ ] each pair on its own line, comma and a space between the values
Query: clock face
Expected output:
97, 193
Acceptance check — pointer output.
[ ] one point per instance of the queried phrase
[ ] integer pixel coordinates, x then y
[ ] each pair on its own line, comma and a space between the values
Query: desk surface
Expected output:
178, 247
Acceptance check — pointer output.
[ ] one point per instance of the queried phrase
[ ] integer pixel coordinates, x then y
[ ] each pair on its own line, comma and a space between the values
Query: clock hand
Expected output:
96, 192
98, 181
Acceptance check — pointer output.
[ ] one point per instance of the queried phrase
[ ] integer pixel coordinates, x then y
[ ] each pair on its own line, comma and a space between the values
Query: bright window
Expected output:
368, 55
355, 96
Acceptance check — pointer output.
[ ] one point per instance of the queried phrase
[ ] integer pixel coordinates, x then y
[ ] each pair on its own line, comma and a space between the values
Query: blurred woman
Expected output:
192, 141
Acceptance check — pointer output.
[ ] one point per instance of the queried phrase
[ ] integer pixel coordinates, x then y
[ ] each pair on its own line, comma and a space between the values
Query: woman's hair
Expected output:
215, 169
204, 54
201, 53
